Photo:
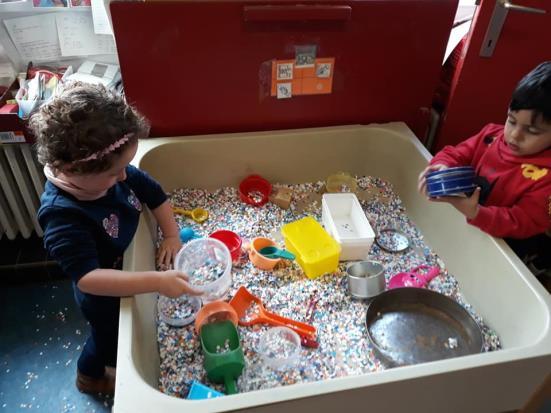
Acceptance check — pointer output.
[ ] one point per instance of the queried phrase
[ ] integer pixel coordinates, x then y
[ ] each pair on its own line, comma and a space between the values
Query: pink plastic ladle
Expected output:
417, 277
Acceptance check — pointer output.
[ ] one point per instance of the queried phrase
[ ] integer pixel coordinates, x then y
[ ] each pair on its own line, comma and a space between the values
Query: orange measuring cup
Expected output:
242, 302
259, 260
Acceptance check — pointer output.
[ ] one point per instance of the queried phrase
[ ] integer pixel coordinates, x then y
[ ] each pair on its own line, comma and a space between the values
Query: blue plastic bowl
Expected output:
451, 181
459, 171
455, 192
448, 187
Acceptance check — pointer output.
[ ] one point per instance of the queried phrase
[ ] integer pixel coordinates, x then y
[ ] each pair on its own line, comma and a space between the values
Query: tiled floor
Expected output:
42, 332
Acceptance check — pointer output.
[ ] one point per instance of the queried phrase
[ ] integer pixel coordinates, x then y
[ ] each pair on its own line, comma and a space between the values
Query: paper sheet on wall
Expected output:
35, 37
100, 14
77, 37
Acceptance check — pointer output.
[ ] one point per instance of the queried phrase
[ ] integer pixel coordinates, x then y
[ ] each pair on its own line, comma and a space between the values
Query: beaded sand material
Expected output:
324, 302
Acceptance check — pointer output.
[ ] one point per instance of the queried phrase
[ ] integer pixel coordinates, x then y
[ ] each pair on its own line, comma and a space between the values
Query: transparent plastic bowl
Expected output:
178, 312
279, 348
208, 263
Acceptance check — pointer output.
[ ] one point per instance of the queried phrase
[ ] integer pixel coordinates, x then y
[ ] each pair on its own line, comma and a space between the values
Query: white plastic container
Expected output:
344, 219
490, 276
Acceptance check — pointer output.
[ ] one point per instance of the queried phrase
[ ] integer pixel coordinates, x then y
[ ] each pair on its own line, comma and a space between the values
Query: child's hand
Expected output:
167, 251
175, 283
468, 206
422, 182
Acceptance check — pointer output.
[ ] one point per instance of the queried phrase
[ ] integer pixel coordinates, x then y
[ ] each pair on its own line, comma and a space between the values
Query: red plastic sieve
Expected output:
231, 240
255, 190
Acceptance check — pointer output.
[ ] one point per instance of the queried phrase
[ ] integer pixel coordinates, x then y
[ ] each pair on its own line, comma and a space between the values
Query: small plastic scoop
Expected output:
199, 215
274, 252
244, 304
417, 277
224, 359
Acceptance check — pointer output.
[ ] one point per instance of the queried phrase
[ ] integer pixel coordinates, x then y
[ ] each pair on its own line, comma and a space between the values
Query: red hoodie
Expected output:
518, 204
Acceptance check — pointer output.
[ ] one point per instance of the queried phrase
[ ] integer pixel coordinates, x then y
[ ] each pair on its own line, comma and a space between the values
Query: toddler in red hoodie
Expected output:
513, 165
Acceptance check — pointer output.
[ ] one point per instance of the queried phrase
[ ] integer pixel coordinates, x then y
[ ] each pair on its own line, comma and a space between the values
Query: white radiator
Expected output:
22, 183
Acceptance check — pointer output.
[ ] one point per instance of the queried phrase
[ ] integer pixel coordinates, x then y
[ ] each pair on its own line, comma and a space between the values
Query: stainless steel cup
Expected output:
366, 279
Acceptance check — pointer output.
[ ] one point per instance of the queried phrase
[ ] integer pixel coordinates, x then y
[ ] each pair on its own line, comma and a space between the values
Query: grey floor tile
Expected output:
42, 333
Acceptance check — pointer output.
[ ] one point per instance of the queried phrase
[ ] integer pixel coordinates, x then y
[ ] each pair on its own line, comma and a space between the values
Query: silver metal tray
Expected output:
416, 325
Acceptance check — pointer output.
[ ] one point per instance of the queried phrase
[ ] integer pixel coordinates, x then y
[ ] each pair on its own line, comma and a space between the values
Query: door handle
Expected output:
517, 7
497, 20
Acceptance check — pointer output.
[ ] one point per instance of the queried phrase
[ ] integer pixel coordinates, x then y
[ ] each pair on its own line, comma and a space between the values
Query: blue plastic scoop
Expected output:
274, 252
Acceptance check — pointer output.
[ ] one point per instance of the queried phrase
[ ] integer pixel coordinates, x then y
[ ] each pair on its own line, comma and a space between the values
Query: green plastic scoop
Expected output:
224, 359
274, 252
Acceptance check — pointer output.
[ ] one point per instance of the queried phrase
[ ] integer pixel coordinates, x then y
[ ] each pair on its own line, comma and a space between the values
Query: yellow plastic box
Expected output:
491, 278
316, 251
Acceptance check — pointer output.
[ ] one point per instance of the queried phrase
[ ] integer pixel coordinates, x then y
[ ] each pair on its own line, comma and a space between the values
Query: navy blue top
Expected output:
85, 235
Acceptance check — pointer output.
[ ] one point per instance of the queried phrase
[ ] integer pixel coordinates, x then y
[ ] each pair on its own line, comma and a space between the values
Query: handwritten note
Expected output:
77, 37
35, 37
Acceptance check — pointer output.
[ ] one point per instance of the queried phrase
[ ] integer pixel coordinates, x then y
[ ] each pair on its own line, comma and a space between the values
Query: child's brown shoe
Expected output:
92, 385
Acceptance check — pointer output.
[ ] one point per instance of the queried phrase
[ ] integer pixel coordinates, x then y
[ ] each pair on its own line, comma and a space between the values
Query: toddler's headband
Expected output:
101, 153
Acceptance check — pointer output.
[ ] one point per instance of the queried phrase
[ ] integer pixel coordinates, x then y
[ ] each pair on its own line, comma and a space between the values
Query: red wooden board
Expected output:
197, 67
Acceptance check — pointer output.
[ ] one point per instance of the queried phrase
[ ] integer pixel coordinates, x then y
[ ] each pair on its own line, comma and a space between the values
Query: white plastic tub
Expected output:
345, 220
491, 278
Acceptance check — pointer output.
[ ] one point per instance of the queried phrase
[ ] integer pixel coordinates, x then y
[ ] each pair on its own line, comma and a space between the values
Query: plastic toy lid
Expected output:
310, 240
459, 170
392, 240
